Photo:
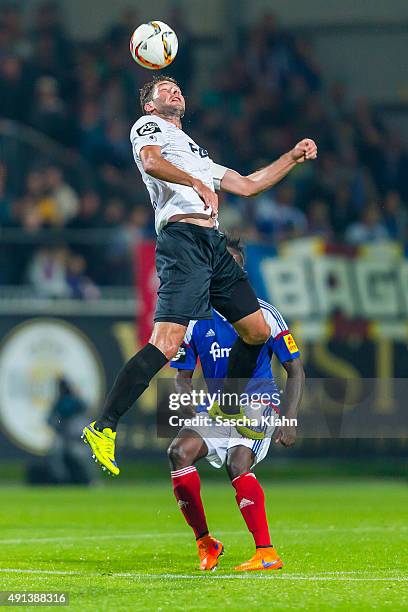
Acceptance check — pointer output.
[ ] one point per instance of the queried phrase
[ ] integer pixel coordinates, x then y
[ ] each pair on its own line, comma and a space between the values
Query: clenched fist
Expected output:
305, 149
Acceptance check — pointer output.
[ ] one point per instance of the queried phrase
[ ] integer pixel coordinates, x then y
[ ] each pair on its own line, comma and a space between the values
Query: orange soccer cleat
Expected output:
263, 559
209, 551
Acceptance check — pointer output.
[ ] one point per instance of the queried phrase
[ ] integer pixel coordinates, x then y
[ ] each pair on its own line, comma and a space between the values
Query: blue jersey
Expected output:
210, 340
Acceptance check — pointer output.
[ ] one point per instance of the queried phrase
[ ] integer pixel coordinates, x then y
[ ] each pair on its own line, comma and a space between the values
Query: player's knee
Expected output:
236, 466
258, 335
168, 345
178, 456
171, 349
167, 337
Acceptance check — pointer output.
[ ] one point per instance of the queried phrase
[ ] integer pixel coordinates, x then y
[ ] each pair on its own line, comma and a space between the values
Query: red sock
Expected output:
186, 486
251, 501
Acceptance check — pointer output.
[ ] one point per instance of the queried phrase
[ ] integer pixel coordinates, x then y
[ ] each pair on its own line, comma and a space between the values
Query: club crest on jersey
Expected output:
290, 343
218, 352
180, 355
148, 128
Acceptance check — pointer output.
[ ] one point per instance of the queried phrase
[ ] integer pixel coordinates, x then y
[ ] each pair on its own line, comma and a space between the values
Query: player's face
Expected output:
168, 99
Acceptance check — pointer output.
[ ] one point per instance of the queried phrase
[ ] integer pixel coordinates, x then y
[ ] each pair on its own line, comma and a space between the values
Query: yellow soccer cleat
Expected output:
209, 551
102, 444
263, 559
244, 430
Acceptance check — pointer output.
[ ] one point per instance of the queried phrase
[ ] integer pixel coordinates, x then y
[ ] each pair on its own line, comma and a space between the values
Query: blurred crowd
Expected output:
84, 96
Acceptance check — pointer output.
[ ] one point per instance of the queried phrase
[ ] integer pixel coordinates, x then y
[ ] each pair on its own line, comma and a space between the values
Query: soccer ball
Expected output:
153, 45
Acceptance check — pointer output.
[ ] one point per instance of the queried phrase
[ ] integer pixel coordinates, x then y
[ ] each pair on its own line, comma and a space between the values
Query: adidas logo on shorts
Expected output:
245, 502
210, 333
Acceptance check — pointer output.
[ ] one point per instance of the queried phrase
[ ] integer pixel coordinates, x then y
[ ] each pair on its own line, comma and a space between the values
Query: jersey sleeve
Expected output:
186, 358
218, 174
281, 341
147, 131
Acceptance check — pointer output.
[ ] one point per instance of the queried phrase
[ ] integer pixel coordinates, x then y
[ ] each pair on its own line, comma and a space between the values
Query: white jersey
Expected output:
177, 147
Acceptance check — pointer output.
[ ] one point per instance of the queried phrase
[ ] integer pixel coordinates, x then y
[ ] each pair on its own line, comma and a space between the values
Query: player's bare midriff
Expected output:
195, 218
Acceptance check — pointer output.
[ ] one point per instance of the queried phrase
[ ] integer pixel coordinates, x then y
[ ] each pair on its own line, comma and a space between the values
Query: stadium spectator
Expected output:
40, 198
79, 285
89, 213
29, 214
276, 217
126, 232
370, 228
65, 198
394, 170
14, 88
395, 216
318, 220
67, 463
49, 114
135, 227
342, 212
17, 41
47, 272
91, 135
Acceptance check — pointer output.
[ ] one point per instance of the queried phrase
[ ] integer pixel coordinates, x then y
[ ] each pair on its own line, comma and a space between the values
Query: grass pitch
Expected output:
126, 547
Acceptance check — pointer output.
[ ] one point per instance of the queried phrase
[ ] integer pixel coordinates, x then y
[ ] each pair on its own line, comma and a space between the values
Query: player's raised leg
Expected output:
253, 331
239, 305
130, 383
183, 452
251, 502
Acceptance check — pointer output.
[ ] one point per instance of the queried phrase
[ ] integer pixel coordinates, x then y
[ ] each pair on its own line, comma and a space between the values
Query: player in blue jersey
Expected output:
210, 341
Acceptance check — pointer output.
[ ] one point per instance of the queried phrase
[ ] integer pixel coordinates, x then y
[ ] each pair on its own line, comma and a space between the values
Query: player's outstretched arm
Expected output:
267, 177
286, 434
154, 164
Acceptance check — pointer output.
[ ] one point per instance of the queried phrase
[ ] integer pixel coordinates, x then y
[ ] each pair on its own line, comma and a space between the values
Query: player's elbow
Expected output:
150, 158
149, 163
248, 187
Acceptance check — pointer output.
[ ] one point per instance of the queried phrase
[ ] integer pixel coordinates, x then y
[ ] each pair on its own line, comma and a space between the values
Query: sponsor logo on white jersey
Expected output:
218, 352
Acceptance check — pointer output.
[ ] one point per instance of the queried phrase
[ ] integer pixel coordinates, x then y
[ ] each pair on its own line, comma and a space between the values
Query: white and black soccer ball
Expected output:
154, 45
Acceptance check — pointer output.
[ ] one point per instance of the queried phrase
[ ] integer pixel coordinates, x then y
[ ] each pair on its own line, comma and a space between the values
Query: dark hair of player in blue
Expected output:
234, 243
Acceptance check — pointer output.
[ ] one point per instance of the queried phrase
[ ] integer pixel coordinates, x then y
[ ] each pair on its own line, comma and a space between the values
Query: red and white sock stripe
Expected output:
187, 470
243, 475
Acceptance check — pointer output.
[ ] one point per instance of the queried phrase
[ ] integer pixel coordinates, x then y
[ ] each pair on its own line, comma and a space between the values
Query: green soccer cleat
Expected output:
102, 444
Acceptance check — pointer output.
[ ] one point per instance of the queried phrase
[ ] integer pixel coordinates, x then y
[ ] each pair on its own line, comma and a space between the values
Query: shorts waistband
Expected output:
200, 229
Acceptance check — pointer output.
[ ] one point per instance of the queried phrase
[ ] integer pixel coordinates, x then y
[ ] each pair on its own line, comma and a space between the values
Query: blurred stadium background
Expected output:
328, 246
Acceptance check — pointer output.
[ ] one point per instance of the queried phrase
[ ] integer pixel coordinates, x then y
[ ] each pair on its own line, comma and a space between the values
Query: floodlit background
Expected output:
327, 246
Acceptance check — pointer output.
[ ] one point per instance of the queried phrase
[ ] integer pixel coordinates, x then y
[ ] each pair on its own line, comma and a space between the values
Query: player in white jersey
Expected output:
170, 199
195, 269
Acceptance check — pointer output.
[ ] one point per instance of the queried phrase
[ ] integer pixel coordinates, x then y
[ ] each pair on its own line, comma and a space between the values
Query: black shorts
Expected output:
196, 273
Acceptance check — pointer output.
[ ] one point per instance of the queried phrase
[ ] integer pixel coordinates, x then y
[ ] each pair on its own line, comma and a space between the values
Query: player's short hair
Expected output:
146, 92
234, 243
